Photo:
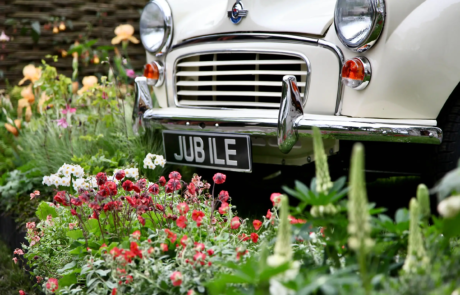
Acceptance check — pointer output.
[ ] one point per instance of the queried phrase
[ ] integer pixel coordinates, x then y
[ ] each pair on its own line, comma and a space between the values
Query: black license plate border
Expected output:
217, 134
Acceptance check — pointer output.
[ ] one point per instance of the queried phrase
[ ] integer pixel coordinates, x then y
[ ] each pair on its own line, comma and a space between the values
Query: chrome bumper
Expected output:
287, 125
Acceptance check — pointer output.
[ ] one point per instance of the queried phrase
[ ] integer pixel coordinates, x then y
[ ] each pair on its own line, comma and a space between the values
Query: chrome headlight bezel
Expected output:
372, 36
158, 48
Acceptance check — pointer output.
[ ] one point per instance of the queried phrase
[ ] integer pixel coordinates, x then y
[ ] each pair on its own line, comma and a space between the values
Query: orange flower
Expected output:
28, 113
41, 101
88, 82
31, 73
74, 87
11, 129
22, 103
27, 93
124, 33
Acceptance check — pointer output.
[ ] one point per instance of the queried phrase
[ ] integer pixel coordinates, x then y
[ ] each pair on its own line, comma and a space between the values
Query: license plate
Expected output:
208, 150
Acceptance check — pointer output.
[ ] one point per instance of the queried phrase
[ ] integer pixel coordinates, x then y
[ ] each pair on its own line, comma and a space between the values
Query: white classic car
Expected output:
242, 82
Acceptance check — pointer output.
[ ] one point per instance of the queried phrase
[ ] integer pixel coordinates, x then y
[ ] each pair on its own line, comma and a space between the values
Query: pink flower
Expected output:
37, 193
15, 260
33, 195
62, 123
22, 292
30, 225
154, 189
164, 247
174, 184
184, 240
176, 278
68, 110
18, 252
223, 196
39, 279
4, 37
136, 234
175, 175
104, 95
276, 199
172, 236
162, 181
292, 220
130, 73
210, 252
198, 217
269, 214
235, 223
257, 224
254, 237
183, 208
219, 178
200, 258
52, 284
71, 225
181, 221
223, 209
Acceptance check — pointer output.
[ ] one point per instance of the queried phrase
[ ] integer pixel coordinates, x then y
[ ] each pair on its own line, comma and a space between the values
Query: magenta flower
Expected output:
69, 110
104, 95
130, 73
62, 122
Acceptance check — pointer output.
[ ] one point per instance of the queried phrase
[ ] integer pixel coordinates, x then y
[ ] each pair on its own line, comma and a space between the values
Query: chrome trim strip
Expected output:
276, 37
142, 102
300, 55
356, 131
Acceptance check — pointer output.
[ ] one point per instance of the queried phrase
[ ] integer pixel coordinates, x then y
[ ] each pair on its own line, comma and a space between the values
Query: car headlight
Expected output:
156, 26
359, 23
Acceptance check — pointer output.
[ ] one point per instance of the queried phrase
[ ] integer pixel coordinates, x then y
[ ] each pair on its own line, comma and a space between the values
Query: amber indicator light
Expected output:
353, 69
151, 71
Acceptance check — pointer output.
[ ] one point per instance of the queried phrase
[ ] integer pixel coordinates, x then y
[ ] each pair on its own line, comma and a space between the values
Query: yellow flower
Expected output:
22, 103
88, 82
28, 94
31, 73
124, 33
13, 129
41, 101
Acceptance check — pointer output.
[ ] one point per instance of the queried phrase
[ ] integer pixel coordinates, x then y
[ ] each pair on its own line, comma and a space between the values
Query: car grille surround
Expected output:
237, 79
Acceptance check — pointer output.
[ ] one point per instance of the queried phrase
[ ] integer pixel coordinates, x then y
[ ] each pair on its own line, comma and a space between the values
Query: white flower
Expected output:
65, 181
112, 178
46, 180
449, 207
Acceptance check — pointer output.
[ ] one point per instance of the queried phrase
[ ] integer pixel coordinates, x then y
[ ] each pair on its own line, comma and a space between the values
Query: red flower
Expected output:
292, 220
154, 189
84, 198
115, 252
191, 292
120, 174
111, 187
128, 185
160, 207
223, 209
136, 188
141, 220
172, 236
52, 284
301, 221
114, 291
141, 183
183, 208
76, 202
101, 178
223, 196
174, 184
197, 215
73, 212
60, 197
219, 178
135, 249
276, 199
199, 246
240, 252
200, 258
129, 279
254, 237
175, 175
136, 234
131, 201
128, 256
235, 223
164, 247
24, 293
210, 252
184, 240
103, 245
191, 188
181, 221
269, 214
257, 224
162, 181
243, 237
176, 278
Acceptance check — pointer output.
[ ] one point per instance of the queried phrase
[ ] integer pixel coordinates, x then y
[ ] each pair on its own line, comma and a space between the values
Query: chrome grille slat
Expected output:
236, 80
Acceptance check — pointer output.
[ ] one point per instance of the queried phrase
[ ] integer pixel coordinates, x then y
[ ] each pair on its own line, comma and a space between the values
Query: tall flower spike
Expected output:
283, 250
359, 227
423, 198
323, 179
415, 249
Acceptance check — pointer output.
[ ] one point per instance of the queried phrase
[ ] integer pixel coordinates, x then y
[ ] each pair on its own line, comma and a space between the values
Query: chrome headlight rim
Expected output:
165, 45
379, 9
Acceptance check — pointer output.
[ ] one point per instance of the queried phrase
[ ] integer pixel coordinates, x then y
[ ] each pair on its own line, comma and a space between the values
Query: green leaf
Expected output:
402, 215
67, 267
90, 43
44, 209
105, 48
93, 226
67, 280
75, 234
103, 272
270, 272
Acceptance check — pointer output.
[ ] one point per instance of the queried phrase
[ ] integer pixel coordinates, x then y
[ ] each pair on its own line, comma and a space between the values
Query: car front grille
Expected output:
236, 80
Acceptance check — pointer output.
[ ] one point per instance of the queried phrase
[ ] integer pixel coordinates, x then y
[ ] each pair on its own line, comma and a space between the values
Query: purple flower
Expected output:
130, 73
69, 110
62, 122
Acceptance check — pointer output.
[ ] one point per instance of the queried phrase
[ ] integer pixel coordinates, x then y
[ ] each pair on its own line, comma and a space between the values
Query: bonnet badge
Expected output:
237, 13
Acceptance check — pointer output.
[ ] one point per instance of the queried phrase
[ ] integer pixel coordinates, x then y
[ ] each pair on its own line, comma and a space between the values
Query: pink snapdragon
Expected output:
68, 110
